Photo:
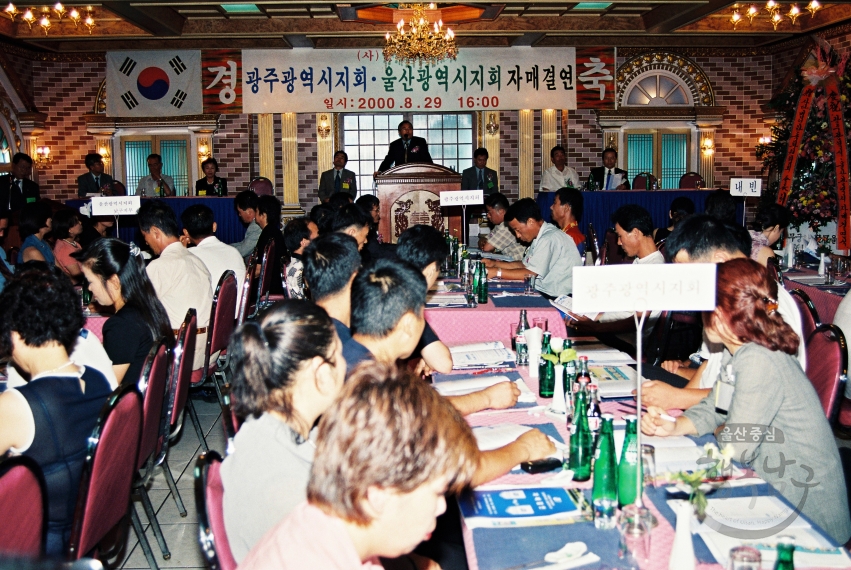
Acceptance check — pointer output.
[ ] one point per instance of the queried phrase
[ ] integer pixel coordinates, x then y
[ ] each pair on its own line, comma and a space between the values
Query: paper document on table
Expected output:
462, 387
477, 357
565, 305
613, 381
605, 356
678, 445
500, 435
476, 346
807, 279
514, 507
446, 299
495, 256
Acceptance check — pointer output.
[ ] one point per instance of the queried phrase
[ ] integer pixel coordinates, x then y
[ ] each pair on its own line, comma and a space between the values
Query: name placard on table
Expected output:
747, 187
635, 287
462, 197
115, 205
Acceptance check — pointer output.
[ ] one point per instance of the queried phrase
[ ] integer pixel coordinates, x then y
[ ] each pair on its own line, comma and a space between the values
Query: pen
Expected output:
668, 418
487, 371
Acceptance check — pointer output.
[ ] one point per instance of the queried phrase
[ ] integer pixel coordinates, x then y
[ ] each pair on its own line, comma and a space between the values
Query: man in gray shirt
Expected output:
245, 205
551, 257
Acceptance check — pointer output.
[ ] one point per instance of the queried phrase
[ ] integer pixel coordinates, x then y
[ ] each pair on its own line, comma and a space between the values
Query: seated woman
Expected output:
117, 278
768, 226
66, 229
386, 454
51, 418
34, 223
211, 185
269, 220
288, 369
763, 385
681, 207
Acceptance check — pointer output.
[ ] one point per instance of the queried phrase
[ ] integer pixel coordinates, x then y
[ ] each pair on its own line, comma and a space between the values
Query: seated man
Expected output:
92, 181
704, 239
330, 265
551, 257
269, 220
566, 213
634, 227
559, 175
385, 456
501, 239
298, 233
609, 176
199, 230
387, 323
245, 204
351, 220
425, 249
181, 280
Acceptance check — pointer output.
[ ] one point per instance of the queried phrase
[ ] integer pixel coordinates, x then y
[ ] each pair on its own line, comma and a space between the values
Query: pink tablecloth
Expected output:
94, 323
486, 323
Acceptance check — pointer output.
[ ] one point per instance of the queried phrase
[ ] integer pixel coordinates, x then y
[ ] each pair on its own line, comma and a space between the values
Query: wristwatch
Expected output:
498, 273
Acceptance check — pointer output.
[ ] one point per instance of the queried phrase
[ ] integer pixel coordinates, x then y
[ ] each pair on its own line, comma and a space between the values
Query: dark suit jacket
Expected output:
326, 183
86, 183
470, 181
210, 189
597, 175
417, 152
11, 197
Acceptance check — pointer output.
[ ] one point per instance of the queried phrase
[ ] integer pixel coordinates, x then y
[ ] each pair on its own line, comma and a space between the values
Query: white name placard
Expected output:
115, 205
633, 287
748, 187
462, 197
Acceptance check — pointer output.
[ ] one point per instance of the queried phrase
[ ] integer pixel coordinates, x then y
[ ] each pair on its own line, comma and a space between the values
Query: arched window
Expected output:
5, 151
658, 89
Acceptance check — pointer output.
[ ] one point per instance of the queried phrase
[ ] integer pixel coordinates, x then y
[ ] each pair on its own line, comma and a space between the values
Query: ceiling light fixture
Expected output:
422, 41
794, 13
813, 7
58, 10
11, 11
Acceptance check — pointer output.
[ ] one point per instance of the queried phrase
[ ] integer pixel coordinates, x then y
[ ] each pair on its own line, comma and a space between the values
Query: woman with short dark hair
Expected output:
66, 228
34, 223
51, 418
211, 185
768, 226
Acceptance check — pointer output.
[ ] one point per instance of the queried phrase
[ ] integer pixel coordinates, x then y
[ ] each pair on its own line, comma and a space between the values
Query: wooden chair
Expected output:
643, 181
209, 494
691, 181
827, 366
23, 499
108, 471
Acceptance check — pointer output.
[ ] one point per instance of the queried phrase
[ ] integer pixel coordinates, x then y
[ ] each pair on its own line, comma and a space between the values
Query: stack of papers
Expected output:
495, 256
481, 355
726, 518
613, 381
518, 506
446, 300
807, 279
565, 305
674, 453
604, 356
468, 386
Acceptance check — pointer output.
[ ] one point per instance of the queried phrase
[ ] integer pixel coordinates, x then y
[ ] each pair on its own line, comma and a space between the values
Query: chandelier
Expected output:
420, 41
772, 11
30, 16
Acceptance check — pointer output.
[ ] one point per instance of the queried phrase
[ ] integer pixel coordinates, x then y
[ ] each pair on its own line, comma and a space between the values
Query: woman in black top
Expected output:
269, 219
51, 418
211, 185
116, 275
681, 207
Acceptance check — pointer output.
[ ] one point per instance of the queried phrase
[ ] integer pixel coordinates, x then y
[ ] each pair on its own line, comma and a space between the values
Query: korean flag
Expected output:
153, 83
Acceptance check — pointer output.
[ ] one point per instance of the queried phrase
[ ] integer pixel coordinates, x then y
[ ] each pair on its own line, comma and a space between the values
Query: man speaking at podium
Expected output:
406, 149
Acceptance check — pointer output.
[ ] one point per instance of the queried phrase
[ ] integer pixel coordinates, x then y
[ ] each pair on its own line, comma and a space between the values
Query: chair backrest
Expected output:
266, 273
773, 267
592, 246
23, 499
181, 370
222, 320
108, 471
262, 186
809, 315
209, 493
604, 252
691, 181
155, 387
658, 342
284, 277
249, 284
615, 254
643, 181
828, 367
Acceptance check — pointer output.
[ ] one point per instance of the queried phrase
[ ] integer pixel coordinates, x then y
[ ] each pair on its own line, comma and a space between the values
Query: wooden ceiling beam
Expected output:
667, 18
157, 20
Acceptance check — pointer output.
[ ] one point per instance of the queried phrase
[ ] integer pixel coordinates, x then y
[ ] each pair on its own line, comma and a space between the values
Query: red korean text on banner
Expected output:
221, 76
840, 157
595, 78
805, 102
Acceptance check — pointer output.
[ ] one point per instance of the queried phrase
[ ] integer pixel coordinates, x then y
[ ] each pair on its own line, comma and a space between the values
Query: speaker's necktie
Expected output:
97, 182
337, 183
481, 181
608, 179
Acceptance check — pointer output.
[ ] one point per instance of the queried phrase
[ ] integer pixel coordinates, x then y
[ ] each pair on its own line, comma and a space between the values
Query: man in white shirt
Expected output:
180, 279
198, 230
703, 239
558, 175
551, 257
156, 184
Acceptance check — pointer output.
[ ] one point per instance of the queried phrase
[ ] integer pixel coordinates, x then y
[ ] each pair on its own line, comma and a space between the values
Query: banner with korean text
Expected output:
310, 81
220, 72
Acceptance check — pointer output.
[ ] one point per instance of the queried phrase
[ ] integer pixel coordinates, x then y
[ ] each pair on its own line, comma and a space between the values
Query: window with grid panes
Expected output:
174, 151
663, 153
367, 137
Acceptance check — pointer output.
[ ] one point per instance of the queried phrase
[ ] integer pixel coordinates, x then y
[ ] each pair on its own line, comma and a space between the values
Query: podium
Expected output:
410, 195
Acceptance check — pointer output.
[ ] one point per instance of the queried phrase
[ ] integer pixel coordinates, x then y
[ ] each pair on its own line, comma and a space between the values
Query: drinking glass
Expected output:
528, 284
542, 323
648, 463
634, 532
744, 558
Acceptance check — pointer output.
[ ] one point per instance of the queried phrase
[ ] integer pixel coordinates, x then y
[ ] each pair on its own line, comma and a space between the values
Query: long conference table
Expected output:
599, 206
229, 227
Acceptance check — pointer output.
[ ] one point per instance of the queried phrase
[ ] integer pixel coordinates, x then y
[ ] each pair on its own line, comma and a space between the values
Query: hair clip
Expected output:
770, 305
134, 250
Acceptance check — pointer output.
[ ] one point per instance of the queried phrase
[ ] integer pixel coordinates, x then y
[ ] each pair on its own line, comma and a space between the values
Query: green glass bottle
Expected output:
482, 292
475, 278
581, 441
629, 469
785, 552
87, 294
604, 495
